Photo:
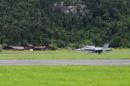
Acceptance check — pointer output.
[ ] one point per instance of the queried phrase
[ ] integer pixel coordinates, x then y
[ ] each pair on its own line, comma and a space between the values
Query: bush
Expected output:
73, 46
1, 48
54, 46
88, 42
4, 45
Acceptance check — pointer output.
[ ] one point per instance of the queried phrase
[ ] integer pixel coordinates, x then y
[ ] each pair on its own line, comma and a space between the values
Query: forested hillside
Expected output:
42, 22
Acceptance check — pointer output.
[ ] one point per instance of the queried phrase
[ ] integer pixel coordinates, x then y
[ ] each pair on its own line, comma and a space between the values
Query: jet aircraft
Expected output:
93, 49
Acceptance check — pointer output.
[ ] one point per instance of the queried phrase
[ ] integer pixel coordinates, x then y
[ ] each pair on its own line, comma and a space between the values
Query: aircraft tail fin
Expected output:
105, 47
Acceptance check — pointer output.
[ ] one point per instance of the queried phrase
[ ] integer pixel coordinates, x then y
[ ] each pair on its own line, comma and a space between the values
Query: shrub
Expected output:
54, 46
1, 48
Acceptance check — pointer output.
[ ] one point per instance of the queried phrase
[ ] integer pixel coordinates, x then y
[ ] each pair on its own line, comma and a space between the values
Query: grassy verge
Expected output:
65, 54
64, 75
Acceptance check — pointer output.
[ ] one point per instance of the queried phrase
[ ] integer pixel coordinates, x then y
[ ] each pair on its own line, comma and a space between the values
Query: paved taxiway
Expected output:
65, 62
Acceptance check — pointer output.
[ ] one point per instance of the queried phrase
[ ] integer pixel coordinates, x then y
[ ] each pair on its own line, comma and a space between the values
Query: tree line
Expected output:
38, 23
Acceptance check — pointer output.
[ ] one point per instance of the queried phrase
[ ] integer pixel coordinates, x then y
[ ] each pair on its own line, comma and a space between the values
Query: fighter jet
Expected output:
93, 49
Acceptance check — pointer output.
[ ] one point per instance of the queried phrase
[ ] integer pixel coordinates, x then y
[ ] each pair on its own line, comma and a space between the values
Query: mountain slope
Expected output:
39, 22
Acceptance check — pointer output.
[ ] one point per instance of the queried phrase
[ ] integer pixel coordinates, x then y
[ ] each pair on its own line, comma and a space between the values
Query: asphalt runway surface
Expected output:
65, 62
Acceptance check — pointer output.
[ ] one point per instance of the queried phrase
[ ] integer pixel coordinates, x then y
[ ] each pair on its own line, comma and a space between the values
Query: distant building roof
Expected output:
50, 45
39, 47
17, 47
30, 45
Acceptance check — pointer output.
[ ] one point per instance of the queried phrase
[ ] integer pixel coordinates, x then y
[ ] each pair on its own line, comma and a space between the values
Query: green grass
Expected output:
65, 54
65, 75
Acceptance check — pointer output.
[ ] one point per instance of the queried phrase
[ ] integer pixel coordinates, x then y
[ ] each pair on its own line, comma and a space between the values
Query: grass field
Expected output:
65, 54
65, 75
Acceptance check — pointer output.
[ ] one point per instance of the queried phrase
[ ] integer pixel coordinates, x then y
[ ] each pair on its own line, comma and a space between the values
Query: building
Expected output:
28, 47
14, 48
39, 48
49, 47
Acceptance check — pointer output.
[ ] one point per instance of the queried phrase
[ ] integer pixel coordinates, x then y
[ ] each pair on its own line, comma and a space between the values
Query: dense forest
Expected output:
40, 22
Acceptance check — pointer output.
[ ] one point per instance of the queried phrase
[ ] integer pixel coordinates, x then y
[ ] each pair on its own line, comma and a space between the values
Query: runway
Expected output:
65, 62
